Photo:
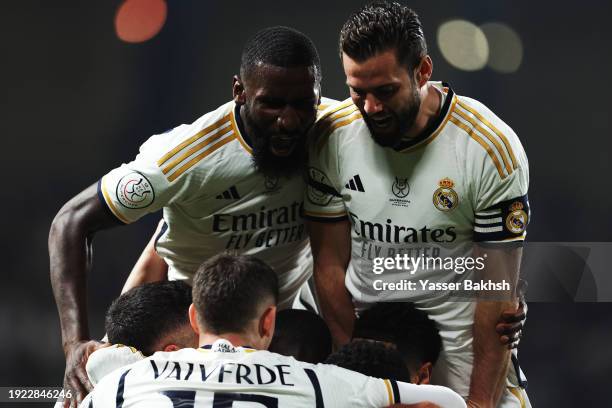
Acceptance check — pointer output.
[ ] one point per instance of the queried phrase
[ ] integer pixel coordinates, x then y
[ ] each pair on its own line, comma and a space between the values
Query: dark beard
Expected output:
267, 162
404, 119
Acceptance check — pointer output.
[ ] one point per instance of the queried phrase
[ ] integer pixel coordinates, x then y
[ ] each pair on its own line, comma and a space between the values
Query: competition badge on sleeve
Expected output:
318, 186
135, 191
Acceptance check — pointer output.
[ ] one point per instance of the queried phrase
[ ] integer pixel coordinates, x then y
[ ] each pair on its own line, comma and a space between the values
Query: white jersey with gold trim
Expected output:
213, 200
461, 181
107, 359
221, 375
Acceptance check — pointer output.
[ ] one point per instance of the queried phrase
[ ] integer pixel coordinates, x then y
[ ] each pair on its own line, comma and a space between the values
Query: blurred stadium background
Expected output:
85, 83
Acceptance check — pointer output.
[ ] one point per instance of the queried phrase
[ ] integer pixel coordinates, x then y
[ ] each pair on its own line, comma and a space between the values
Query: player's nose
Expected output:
372, 105
289, 120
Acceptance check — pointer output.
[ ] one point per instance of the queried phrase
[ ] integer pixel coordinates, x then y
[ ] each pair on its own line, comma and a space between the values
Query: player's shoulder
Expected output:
108, 359
490, 138
325, 103
187, 146
337, 117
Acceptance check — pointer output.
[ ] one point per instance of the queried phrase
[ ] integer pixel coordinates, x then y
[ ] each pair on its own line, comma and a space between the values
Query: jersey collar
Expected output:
243, 137
225, 346
434, 127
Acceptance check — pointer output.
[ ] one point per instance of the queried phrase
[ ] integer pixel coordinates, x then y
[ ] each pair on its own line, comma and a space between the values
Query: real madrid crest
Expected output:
517, 220
445, 198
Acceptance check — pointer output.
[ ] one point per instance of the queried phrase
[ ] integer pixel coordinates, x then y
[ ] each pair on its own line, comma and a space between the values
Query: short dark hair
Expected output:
301, 334
410, 329
281, 47
143, 315
228, 291
371, 358
381, 26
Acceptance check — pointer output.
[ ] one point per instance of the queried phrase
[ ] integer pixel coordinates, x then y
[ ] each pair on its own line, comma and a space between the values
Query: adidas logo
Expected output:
355, 184
230, 193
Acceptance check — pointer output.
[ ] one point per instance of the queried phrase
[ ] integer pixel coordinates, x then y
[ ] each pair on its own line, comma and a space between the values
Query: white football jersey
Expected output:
463, 180
222, 375
106, 360
213, 200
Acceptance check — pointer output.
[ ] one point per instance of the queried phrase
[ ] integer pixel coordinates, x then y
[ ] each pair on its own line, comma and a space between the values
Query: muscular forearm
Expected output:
336, 304
491, 359
69, 255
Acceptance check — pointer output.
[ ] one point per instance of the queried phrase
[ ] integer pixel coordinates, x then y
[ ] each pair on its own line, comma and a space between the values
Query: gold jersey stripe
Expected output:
195, 148
340, 106
494, 129
329, 122
330, 129
325, 215
518, 394
112, 207
481, 142
185, 143
199, 157
437, 132
243, 143
353, 117
389, 392
489, 136
322, 106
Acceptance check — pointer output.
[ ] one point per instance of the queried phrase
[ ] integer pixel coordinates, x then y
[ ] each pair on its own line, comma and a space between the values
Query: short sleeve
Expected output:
142, 186
499, 178
413, 394
324, 200
106, 360
358, 390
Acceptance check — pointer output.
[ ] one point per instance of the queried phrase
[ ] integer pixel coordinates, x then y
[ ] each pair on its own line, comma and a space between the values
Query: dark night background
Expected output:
77, 101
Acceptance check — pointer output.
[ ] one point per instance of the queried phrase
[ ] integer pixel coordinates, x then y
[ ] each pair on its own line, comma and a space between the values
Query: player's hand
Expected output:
75, 377
510, 326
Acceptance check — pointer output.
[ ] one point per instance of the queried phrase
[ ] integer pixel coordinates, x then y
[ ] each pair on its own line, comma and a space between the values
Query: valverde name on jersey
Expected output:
223, 371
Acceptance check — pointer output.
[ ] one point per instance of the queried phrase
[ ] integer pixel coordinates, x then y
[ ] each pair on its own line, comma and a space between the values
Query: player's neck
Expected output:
431, 102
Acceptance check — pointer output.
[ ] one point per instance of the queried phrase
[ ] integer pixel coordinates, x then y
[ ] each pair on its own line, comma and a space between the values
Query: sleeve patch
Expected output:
319, 190
135, 191
504, 221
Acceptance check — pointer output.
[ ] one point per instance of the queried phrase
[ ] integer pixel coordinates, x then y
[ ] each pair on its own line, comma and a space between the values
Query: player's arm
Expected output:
150, 267
510, 324
499, 179
331, 251
412, 395
70, 254
492, 359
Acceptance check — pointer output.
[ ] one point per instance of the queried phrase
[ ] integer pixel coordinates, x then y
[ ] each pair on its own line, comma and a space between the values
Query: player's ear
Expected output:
267, 322
171, 347
424, 71
238, 90
423, 376
193, 319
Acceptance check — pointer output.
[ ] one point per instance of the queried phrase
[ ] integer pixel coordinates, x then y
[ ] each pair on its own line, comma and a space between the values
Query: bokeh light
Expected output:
463, 45
140, 20
505, 47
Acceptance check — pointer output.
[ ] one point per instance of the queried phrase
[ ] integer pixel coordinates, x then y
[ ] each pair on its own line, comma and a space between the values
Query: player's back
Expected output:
221, 374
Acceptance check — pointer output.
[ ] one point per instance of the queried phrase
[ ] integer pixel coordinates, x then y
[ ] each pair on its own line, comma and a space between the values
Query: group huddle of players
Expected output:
303, 186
